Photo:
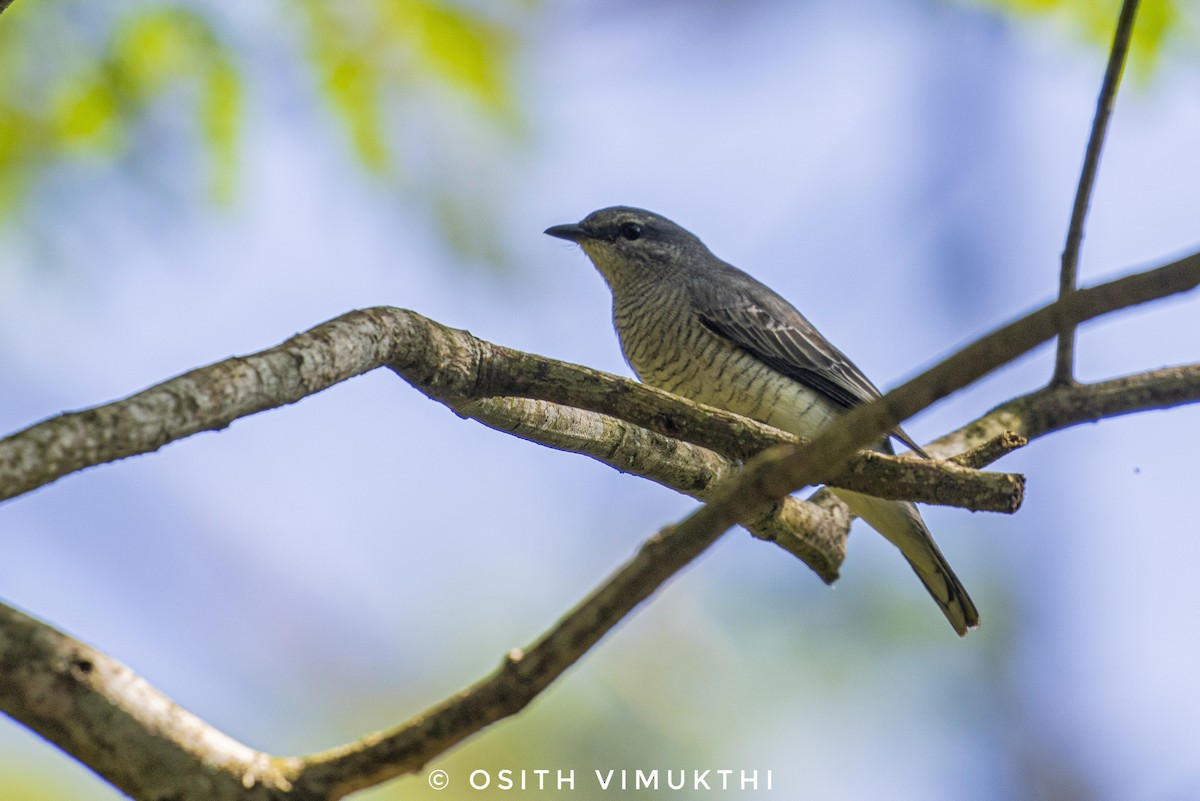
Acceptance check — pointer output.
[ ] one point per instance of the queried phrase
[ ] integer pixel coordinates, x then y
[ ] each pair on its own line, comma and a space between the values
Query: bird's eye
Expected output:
631, 231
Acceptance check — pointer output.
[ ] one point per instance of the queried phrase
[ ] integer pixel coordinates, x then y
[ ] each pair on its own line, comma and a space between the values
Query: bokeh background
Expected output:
184, 182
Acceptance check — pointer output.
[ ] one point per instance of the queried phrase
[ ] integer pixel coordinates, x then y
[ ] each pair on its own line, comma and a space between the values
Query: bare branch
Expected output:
111, 720
803, 530
466, 374
1064, 365
1054, 408
524, 673
205, 399
950, 483
97, 710
795, 467
448, 364
620, 400
990, 451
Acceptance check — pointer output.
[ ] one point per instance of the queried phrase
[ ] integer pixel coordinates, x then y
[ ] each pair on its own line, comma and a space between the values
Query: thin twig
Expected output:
990, 451
1064, 364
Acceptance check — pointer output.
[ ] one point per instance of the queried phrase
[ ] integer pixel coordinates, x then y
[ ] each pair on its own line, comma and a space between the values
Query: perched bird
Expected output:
698, 327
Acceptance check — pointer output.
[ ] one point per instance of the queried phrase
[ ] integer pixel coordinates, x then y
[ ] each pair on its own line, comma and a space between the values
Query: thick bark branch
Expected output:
449, 365
806, 531
102, 713
206, 399
577, 391
470, 375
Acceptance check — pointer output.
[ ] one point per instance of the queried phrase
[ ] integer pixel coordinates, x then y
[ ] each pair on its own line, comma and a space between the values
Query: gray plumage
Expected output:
696, 326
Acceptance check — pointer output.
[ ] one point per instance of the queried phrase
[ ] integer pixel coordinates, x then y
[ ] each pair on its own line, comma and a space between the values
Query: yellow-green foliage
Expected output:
78, 76
361, 49
70, 91
1095, 20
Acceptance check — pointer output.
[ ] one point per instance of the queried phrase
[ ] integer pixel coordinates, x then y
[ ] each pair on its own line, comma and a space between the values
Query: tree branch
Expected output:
991, 450
206, 399
621, 401
449, 365
794, 467
794, 525
1064, 364
1057, 407
111, 720
522, 676
800, 528
470, 375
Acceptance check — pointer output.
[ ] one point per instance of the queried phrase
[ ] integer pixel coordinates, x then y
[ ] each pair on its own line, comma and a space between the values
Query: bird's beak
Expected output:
571, 232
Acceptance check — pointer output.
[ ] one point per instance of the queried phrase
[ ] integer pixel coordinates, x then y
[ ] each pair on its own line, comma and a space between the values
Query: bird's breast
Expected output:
668, 347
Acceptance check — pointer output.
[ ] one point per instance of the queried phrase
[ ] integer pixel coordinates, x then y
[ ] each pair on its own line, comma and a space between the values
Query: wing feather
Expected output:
765, 325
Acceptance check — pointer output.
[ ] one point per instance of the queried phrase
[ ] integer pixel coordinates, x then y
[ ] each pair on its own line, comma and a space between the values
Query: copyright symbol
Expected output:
439, 779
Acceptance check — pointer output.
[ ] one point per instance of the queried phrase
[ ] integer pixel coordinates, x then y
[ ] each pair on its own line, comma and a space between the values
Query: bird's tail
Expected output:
901, 524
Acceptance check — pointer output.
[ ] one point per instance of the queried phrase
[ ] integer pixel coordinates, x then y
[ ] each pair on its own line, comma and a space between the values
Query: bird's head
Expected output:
627, 244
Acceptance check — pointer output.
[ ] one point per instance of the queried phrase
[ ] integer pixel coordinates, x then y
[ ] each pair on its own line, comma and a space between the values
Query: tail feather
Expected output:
901, 524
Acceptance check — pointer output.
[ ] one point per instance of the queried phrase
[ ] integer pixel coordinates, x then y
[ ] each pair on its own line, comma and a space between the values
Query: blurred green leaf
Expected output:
350, 79
20, 136
220, 114
466, 52
422, 89
74, 89
1095, 21
84, 113
363, 50
21, 781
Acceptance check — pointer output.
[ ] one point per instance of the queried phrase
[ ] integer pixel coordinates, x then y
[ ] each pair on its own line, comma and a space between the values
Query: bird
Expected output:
696, 326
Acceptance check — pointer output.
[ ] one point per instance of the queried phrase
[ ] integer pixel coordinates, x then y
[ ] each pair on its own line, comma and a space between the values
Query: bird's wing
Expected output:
771, 330
793, 347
